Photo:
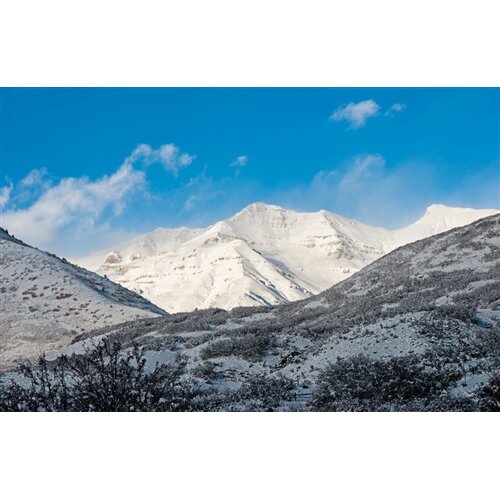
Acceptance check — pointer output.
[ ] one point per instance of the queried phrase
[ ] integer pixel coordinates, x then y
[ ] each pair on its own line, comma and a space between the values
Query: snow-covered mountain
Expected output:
263, 255
419, 329
45, 301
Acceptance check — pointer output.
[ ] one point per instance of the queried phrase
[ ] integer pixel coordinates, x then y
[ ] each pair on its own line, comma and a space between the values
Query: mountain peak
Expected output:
259, 207
443, 210
439, 210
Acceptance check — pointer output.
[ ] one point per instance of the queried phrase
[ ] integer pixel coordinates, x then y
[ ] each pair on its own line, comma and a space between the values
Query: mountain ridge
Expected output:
264, 254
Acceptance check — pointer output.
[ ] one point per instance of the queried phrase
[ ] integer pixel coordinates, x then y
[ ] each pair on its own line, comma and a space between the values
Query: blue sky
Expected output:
82, 169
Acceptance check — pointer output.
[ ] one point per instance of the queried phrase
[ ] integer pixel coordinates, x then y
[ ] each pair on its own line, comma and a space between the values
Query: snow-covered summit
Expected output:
264, 254
438, 219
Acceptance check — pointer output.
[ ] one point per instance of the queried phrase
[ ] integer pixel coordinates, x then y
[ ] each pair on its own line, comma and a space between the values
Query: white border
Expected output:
243, 43
259, 43
249, 456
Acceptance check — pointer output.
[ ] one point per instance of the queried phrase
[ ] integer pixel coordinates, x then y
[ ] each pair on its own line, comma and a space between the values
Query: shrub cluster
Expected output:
206, 371
491, 394
258, 393
360, 383
104, 378
250, 347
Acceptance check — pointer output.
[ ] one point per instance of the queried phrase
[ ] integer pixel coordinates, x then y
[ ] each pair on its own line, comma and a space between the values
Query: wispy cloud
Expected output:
363, 168
5, 194
241, 161
79, 201
81, 209
395, 108
34, 178
73, 214
168, 155
356, 114
191, 202
365, 188
34, 184
369, 189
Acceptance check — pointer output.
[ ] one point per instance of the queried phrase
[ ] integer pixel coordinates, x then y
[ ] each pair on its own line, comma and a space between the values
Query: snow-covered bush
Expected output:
463, 313
360, 383
206, 371
258, 393
250, 347
491, 394
104, 378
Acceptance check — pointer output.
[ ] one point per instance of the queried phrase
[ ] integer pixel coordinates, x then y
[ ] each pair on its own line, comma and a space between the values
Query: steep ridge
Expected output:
419, 329
263, 255
45, 301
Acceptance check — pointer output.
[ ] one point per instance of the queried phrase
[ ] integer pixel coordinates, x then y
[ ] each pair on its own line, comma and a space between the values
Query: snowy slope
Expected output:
263, 255
434, 303
45, 301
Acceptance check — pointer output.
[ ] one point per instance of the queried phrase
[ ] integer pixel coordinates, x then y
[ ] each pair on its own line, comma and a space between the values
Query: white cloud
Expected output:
31, 186
241, 161
78, 201
362, 168
395, 108
168, 155
186, 159
238, 163
75, 211
356, 114
142, 151
191, 202
366, 189
5, 194
35, 177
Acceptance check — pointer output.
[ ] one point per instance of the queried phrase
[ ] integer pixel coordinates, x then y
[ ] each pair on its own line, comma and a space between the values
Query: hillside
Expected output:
263, 255
419, 329
45, 301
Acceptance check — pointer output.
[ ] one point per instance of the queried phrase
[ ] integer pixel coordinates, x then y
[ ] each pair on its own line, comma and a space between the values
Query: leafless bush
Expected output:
104, 378
259, 393
360, 383
491, 394
206, 371
249, 347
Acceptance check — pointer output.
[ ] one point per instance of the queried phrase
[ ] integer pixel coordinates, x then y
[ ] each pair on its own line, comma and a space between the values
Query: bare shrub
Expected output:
491, 394
259, 393
360, 383
206, 371
104, 378
250, 347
